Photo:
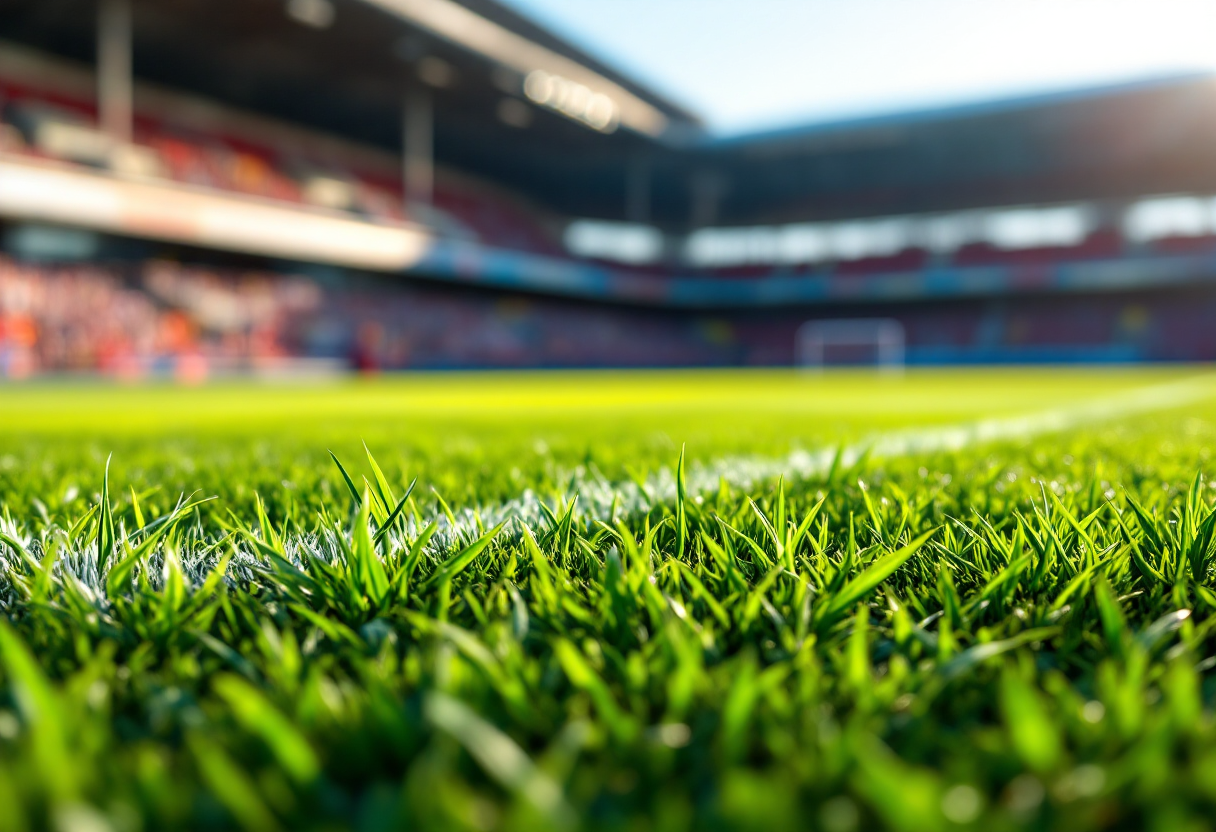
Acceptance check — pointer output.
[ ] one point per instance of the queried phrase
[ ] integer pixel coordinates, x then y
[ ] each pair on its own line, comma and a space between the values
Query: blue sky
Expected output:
755, 64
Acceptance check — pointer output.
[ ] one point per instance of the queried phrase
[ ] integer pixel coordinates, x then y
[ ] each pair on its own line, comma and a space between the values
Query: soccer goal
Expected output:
851, 341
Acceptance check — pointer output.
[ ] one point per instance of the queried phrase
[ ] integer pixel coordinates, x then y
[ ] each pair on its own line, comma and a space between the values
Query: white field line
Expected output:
599, 499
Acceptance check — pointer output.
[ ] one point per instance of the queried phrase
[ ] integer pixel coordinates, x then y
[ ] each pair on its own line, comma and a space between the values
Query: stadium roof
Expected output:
344, 69
346, 74
516, 23
800, 133
1104, 143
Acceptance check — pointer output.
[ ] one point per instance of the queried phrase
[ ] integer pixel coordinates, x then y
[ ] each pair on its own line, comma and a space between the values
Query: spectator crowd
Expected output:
156, 318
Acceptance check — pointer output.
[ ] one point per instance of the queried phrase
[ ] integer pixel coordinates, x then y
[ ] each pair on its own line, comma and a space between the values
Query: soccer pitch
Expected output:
664, 600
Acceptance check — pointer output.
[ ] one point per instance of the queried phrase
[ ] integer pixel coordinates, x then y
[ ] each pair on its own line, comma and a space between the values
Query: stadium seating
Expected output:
191, 321
53, 127
1202, 244
167, 318
908, 260
161, 318
1105, 243
194, 320
1098, 245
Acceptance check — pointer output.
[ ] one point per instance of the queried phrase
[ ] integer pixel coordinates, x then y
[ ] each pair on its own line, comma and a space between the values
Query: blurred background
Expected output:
194, 189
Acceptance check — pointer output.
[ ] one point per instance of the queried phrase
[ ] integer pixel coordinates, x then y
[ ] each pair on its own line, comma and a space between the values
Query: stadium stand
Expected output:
168, 319
393, 190
194, 321
357, 180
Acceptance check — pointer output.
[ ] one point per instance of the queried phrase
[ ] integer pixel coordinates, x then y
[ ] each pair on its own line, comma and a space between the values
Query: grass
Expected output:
667, 601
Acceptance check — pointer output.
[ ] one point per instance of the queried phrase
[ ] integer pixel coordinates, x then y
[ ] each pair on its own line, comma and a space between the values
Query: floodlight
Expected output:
316, 14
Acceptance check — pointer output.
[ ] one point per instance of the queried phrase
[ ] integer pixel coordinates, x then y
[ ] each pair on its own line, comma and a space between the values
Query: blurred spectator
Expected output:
191, 322
367, 355
183, 320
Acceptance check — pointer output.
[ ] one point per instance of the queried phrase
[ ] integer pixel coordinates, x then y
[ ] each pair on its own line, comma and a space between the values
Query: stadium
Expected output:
266, 191
409, 419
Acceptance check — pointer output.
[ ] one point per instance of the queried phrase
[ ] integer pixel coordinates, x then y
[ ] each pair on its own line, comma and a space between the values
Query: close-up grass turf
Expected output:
668, 601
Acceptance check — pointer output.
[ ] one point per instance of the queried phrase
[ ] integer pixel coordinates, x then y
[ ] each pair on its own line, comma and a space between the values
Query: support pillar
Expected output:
637, 191
418, 169
707, 189
115, 96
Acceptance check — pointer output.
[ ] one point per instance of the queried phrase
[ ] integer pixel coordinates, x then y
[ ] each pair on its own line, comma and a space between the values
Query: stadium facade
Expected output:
202, 186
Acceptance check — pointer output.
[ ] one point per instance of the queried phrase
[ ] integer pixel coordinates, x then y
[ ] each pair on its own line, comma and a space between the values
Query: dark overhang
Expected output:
350, 77
1108, 143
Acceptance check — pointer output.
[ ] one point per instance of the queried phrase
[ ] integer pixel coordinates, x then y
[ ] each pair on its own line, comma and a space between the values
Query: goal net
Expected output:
850, 342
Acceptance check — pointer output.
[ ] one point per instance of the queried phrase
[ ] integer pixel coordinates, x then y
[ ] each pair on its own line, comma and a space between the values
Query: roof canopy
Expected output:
348, 76
1109, 143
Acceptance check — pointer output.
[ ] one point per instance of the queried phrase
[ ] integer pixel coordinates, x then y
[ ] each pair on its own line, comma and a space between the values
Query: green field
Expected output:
634, 601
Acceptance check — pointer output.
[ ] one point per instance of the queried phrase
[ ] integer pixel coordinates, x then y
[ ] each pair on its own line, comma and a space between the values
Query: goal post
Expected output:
881, 340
